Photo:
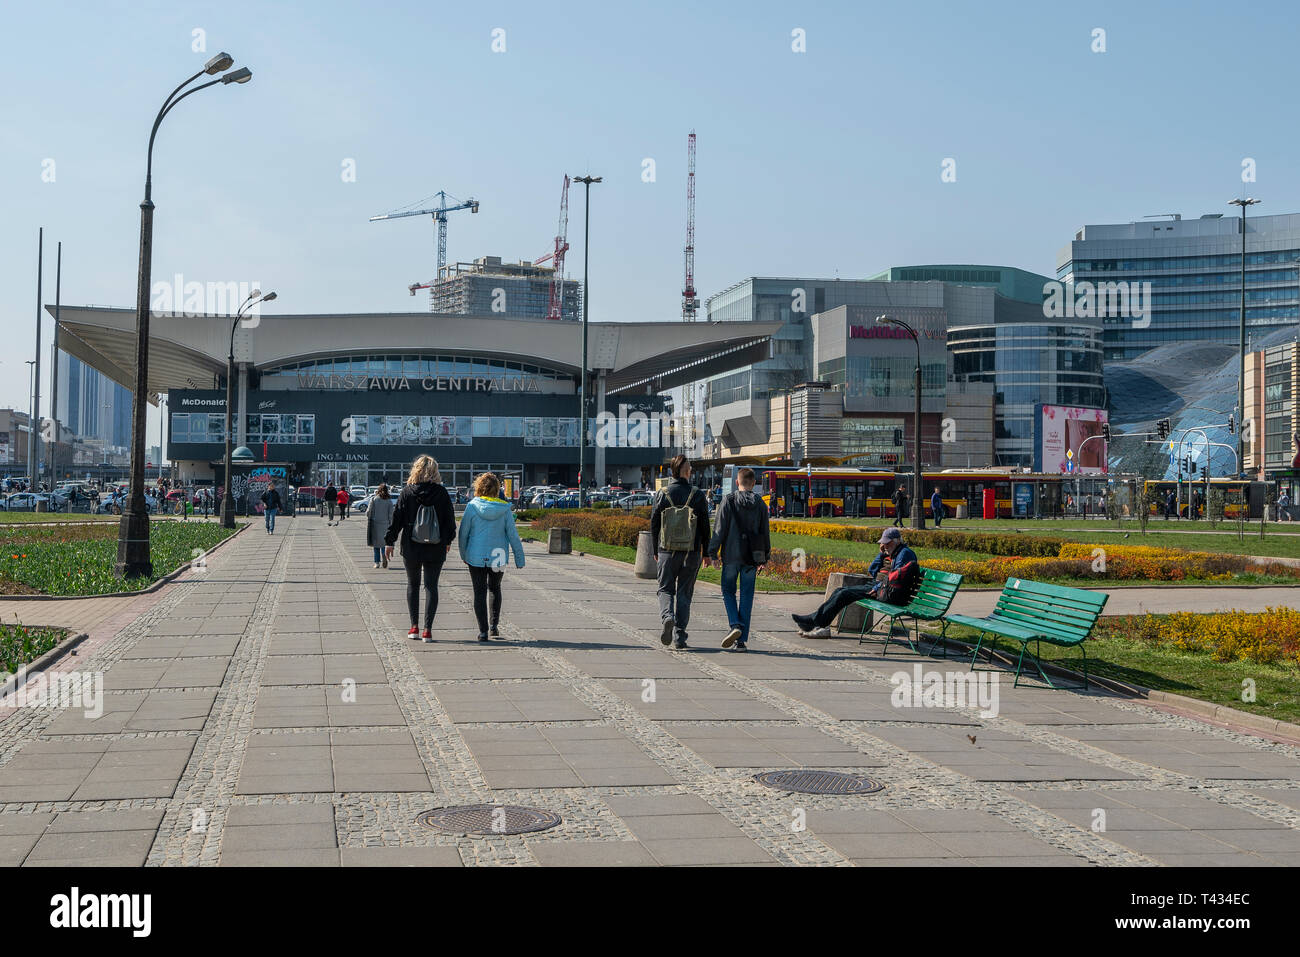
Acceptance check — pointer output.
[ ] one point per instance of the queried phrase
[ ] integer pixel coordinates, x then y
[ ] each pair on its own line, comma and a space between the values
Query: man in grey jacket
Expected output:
741, 538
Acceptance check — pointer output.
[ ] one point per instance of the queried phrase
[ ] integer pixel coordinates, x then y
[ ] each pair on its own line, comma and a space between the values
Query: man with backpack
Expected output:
741, 540
903, 574
900, 504
679, 532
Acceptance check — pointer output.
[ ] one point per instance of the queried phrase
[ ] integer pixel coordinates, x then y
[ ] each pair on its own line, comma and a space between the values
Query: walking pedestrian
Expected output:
896, 587
426, 524
378, 517
331, 500
679, 533
900, 504
741, 542
936, 506
1171, 506
271, 503
344, 501
486, 538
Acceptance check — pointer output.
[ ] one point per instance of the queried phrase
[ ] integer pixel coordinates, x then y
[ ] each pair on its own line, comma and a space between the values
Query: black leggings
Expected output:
432, 570
486, 581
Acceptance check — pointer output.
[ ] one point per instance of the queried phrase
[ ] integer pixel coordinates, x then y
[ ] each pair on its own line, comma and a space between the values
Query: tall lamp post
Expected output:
1241, 374
133, 559
228, 500
586, 306
918, 506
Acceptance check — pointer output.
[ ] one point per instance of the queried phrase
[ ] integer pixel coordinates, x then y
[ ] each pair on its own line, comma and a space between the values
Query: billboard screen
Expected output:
1059, 435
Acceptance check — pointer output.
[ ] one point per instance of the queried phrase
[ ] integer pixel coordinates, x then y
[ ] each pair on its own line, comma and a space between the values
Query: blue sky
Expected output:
824, 163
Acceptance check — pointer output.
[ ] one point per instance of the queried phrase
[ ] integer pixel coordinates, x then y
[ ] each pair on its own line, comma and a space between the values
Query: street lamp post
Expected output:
586, 306
918, 506
228, 500
1241, 374
133, 559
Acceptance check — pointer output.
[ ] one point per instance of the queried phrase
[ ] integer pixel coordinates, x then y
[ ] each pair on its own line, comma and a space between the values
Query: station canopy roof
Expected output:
185, 352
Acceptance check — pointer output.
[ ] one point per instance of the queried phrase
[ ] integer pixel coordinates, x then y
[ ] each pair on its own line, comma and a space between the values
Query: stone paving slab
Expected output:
278, 700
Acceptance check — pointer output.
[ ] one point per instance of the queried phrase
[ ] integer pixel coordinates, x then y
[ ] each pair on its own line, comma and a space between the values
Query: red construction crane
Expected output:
561, 247
690, 303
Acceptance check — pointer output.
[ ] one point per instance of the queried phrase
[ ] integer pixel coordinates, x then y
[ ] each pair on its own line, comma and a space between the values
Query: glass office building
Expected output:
1194, 268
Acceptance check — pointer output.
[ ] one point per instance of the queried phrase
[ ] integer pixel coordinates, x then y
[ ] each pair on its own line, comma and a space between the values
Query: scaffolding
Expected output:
487, 287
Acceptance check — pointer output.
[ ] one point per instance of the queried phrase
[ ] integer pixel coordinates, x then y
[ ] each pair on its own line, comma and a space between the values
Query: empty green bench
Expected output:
933, 597
1033, 611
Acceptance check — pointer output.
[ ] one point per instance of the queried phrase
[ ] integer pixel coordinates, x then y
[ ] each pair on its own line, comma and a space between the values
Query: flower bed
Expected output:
20, 645
1268, 637
991, 543
79, 560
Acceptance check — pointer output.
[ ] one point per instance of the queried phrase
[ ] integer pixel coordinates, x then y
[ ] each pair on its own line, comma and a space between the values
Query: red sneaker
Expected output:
415, 630
426, 635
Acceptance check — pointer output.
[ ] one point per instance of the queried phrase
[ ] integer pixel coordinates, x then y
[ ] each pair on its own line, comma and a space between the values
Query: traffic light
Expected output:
1105, 431
1162, 428
1232, 423
898, 436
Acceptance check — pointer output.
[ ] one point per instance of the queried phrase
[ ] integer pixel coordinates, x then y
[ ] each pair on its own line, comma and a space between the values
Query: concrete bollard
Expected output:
560, 541
646, 566
853, 617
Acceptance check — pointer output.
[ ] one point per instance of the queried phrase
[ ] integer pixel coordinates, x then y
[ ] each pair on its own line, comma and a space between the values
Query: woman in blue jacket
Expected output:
486, 538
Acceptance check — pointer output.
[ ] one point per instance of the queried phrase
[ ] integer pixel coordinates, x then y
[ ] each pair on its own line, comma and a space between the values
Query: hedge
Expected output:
991, 543
1271, 636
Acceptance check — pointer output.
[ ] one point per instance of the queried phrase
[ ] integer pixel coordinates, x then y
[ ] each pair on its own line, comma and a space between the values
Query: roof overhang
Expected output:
187, 351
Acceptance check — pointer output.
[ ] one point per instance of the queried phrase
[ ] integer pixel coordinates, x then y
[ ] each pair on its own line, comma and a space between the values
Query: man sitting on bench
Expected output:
896, 588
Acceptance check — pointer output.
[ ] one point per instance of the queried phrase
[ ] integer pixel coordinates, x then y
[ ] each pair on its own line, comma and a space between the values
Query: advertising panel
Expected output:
1060, 432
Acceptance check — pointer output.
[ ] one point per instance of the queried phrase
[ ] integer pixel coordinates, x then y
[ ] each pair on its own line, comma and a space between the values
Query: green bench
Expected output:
1033, 611
933, 597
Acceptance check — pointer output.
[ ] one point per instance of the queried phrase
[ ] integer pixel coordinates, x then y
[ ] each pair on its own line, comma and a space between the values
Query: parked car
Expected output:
24, 501
635, 500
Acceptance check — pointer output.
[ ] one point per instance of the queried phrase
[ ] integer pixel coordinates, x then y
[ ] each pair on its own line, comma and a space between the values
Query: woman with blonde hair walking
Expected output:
487, 537
426, 524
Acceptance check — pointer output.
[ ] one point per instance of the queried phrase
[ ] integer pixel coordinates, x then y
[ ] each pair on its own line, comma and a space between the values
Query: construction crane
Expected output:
439, 214
690, 302
556, 305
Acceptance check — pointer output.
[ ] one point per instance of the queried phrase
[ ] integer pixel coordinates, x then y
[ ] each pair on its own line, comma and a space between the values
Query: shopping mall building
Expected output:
355, 398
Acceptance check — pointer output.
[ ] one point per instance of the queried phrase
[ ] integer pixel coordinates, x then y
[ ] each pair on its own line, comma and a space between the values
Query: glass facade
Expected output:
292, 429
1185, 289
462, 429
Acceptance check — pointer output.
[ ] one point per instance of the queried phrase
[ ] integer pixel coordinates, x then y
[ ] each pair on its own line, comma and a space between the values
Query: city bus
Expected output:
868, 493
1237, 494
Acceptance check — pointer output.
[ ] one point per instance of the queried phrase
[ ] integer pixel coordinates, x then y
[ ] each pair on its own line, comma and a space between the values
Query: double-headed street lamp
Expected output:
918, 506
586, 304
228, 500
1241, 373
133, 558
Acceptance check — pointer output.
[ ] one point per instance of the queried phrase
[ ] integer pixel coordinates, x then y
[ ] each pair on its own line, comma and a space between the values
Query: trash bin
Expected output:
963, 510
560, 541
856, 618
990, 504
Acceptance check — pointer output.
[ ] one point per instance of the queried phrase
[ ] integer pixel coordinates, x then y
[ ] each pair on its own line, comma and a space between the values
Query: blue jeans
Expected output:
270, 519
739, 617
379, 554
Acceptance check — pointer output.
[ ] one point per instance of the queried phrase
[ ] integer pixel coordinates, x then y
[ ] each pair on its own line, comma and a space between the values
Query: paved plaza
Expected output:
269, 710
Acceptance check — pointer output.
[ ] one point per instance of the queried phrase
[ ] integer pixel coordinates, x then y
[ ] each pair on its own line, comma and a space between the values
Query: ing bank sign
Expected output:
355, 382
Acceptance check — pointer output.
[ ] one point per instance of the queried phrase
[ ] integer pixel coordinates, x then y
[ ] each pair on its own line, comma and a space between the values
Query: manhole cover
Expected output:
819, 782
488, 819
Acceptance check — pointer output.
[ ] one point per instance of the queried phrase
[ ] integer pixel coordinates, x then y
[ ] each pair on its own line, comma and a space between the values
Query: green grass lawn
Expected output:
1190, 536
1277, 687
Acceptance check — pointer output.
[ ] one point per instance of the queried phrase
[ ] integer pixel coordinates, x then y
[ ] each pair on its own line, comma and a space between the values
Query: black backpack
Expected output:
424, 529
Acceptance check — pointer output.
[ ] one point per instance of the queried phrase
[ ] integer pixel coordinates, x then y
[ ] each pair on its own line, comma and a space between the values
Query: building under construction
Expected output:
490, 287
